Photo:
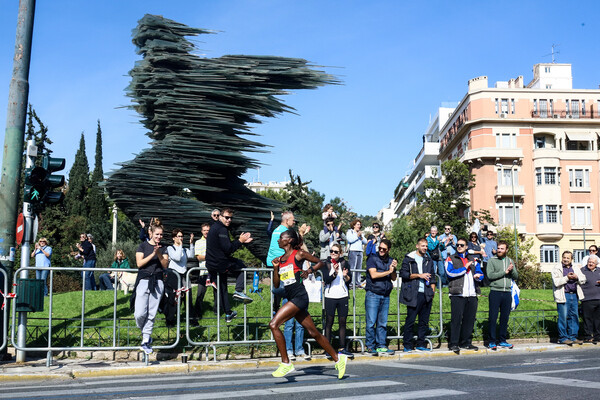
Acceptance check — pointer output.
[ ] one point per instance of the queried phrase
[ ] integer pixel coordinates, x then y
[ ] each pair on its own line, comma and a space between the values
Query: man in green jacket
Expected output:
501, 272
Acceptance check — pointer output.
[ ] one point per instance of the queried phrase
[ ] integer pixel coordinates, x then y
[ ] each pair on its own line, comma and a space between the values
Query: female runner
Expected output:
287, 271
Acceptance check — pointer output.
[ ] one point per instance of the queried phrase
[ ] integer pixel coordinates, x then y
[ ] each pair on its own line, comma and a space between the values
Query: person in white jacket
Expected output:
356, 241
566, 284
178, 256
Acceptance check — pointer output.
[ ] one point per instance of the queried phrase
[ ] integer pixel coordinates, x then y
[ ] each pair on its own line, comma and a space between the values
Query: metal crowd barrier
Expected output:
5, 310
50, 348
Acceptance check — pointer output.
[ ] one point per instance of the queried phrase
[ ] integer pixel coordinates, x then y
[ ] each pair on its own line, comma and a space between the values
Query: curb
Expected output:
77, 371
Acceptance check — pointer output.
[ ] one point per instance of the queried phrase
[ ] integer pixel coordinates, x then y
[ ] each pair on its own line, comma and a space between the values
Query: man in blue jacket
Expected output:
381, 271
418, 289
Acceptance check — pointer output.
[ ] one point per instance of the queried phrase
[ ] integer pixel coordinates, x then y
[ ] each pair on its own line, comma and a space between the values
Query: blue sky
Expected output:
398, 60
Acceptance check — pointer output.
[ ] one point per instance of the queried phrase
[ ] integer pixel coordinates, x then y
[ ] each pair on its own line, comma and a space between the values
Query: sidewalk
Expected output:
72, 368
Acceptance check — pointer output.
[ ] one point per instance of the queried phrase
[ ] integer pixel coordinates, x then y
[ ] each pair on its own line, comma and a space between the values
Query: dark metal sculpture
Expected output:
198, 111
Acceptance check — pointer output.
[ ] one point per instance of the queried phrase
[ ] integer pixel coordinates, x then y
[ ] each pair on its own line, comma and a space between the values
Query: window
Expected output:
581, 215
548, 86
544, 108
551, 214
582, 107
547, 69
578, 255
535, 110
550, 175
507, 215
551, 106
540, 142
540, 213
549, 253
506, 140
496, 106
504, 106
512, 106
567, 107
505, 177
575, 108
538, 176
579, 178
578, 145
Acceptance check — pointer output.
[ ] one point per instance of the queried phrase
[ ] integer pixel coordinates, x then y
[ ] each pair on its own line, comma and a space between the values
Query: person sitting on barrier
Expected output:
336, 279
107, 279
221, 264
381, 271
151, 259
417, 292
203, 278
42, 253
287, 271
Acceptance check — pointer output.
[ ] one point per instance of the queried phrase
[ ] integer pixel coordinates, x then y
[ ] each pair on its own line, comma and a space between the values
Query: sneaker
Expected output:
407, 350
291, 356
362, 285
371, 351
505, 345
347, 353
240, 296
470, 347
283, 370
385, 351
455, 349
146, 348
230, 317
419, 348
341, 365
566, 341
578, 341
492, 346
303, 355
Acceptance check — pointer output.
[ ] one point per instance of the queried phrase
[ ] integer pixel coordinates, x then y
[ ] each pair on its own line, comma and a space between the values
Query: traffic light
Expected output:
39, 182
35, 185
50, 165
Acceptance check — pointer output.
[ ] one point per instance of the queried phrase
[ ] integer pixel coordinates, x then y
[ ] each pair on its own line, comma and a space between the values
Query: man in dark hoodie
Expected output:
418, 288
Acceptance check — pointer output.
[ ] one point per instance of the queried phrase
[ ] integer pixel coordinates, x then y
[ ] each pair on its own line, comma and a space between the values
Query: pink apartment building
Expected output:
540, 142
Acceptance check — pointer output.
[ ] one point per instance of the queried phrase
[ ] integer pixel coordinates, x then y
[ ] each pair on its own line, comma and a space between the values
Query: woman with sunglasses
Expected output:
474, 247
287, 271
336, 295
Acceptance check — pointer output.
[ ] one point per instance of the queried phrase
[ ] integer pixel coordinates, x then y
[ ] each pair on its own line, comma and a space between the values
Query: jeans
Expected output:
105, 282
568, 318
440, 269
43, 275
499, 301
376, 308
90, 280
288, 331
355, 262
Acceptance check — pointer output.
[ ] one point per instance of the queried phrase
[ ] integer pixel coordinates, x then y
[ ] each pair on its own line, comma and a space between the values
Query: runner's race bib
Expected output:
286, 275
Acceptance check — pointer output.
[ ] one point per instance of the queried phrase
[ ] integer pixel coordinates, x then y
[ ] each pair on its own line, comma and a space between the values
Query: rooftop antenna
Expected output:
553, 54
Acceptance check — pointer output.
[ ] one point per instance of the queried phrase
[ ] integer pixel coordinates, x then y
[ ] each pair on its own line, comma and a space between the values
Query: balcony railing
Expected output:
564, 114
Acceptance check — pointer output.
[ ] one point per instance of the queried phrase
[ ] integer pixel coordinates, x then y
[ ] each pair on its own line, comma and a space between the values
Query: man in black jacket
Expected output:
418, 288
88, 251
219, 249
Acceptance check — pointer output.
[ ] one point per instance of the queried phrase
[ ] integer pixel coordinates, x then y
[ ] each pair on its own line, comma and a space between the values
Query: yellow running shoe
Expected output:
283, 370
341, 365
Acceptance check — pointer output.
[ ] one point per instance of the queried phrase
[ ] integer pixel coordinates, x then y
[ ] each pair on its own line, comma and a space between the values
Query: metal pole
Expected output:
114, 232
25, 248
18, 97
512, 180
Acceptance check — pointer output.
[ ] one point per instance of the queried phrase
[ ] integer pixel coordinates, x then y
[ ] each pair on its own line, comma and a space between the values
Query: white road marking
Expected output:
417, 394
557, 371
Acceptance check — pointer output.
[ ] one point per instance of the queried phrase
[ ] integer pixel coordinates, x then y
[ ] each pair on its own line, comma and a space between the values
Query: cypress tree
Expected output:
79, 182
97, 197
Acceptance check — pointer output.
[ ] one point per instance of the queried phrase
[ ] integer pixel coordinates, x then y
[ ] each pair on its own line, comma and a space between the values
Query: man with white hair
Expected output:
590, 304
287, 222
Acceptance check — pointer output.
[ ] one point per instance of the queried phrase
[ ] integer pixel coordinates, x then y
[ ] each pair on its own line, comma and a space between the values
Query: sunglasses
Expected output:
335, 252
227, 217
383, 249
460, 245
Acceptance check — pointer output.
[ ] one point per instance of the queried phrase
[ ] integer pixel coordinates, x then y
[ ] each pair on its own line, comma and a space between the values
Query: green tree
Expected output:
96, 197
446, 200
530, 274
76, 201
403, 237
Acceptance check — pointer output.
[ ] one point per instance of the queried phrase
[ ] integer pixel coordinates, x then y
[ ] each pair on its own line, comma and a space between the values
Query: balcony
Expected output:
564, 114
549, 232
497, 153
507, 191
